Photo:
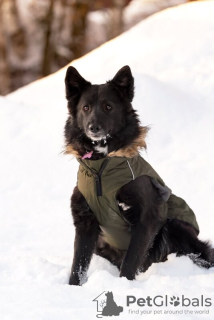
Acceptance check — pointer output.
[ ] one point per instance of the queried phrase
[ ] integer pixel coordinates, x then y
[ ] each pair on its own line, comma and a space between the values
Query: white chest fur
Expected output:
101, 149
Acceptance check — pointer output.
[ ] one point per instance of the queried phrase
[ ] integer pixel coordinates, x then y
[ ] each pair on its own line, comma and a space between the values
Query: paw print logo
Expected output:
174, 301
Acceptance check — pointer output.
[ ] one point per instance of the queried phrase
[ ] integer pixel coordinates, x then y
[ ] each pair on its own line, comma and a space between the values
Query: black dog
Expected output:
121, 208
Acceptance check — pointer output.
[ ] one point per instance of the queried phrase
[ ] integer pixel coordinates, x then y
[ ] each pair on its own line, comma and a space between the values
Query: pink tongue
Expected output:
87, 155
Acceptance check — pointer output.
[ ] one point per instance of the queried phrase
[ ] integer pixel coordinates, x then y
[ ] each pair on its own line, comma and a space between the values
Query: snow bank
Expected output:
172, 58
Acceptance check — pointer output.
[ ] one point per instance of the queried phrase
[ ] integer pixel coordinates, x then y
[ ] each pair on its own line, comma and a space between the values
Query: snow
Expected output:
171, 55
140, 9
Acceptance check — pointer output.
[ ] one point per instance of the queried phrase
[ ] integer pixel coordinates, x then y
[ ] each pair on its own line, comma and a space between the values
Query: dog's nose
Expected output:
94, 128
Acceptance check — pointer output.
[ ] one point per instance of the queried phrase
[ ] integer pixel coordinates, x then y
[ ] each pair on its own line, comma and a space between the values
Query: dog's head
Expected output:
101, 118
100, 109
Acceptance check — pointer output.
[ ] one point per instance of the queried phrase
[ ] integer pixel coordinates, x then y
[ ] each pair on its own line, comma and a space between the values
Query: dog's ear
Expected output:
74, 86
125, 82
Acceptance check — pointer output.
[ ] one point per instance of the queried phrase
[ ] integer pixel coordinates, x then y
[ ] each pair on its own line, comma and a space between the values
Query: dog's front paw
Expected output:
130, 275
77, 278
74, 280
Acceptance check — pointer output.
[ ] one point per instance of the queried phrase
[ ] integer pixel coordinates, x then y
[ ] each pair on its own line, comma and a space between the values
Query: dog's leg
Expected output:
145, 206
141, 240
87, 231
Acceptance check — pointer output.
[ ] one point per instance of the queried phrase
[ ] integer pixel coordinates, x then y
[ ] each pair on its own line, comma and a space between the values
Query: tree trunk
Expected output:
4, 67
12, 28
116, 18
80, 11
13, 44
48, 50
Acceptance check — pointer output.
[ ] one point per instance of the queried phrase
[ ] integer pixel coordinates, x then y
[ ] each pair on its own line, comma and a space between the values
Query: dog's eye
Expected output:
108, 107
85, 108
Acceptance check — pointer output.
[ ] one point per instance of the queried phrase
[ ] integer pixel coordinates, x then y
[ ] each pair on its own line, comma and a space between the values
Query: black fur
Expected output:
121, 123
102, 116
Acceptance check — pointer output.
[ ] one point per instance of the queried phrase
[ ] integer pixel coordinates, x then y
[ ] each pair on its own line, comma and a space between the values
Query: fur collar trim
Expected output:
133, 149
129, 151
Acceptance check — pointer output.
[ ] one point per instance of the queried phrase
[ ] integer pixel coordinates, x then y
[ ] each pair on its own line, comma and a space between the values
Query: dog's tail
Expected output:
203, 259
186, 242
181, 238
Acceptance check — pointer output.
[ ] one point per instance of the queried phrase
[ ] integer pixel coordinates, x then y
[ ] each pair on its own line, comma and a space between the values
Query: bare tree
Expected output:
80, 11
48, 46
4, 65
116, 18
13, 39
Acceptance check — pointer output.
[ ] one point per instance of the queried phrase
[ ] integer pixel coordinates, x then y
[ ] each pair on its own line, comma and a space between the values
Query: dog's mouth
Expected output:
96, 138
100, 145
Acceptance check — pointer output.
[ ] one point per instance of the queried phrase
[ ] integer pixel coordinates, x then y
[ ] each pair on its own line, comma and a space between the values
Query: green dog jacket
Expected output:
100, 180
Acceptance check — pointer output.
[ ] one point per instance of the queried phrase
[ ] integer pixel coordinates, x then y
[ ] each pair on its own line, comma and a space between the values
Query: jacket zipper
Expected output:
97, 175
98, 178
98, 185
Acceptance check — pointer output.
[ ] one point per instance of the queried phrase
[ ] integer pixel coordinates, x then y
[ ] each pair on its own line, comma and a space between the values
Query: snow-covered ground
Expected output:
172, 58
